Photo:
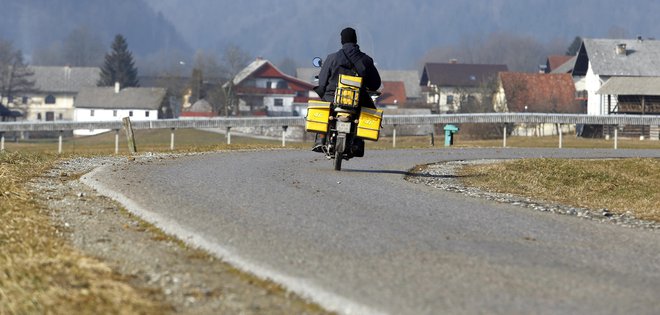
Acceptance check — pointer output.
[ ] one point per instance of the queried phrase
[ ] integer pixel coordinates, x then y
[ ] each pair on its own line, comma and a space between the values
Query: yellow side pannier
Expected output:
318, 113
369, 123
348, 90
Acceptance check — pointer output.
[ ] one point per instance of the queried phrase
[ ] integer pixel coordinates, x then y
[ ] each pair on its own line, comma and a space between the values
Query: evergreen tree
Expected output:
574, 47
119, 66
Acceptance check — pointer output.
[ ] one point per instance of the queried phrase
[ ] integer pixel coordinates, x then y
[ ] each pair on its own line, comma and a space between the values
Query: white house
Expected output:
111, 104
599, 60
447, 85
55, 89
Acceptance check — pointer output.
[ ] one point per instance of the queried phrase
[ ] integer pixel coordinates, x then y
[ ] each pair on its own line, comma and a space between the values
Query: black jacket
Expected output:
349, 57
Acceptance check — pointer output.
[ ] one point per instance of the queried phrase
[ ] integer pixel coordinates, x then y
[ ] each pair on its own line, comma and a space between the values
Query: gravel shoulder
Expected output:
188, 279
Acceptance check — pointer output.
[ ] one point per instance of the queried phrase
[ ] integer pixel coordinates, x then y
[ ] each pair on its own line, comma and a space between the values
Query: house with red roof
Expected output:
393, 93
536, 93
262, 89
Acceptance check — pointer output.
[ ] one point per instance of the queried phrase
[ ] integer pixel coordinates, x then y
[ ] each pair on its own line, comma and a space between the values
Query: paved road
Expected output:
365, 241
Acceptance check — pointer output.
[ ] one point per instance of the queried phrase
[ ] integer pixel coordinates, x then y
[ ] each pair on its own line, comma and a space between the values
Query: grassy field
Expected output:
41, 273
619, 185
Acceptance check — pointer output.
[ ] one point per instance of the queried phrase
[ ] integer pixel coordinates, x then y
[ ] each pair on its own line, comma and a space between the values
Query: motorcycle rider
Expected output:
351, 61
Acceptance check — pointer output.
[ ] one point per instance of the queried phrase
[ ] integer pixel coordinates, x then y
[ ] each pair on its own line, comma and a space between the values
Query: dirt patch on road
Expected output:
188, 279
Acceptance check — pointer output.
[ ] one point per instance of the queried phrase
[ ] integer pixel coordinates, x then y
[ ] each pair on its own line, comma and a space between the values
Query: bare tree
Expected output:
81, 48
234, 60
519, 53
15, 76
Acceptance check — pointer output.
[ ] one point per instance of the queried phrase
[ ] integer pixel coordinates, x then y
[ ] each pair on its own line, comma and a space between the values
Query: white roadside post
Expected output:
616, 137
2, 141
504, 137
116, 141
228, 135
394, 136
172, 139
59, 143
561, 140
284, 128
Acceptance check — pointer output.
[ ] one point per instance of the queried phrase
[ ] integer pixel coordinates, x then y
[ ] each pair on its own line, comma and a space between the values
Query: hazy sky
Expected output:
397, 33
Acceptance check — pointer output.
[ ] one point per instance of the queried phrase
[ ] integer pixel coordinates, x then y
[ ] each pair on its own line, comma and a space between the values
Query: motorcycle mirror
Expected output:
317, 62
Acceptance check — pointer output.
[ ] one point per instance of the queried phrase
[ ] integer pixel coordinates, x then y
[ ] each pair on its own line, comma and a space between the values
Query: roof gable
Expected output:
64, 79
261, 68
128, 98
555, 61
459, 74
641, 58
540, 92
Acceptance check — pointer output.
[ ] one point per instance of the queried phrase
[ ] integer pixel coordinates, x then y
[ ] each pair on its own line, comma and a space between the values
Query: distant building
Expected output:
200, 109
555, 63
262, 89
113, 103
392, 95
54, 92
445, 86
8, 115
536, 93
600, 60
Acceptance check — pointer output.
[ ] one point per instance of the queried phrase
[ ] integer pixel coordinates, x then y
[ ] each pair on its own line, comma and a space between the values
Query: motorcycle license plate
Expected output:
344, 127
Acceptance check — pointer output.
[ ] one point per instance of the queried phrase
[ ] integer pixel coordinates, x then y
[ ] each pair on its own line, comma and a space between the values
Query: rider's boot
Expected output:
318, 143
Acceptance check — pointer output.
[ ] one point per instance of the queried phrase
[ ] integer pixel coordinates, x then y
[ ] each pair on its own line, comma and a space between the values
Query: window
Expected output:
146, 114
278, 102
91, 113
50, 99
268, 84
25, 99
50, 116
60, 116
130, 113
450, 99
114, 113
38, 116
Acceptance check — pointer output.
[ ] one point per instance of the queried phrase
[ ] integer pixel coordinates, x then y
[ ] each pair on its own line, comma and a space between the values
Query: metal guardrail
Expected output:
528, 118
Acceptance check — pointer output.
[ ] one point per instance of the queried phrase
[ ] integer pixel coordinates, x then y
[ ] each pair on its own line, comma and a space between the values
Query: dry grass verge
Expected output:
619, 185
39, 272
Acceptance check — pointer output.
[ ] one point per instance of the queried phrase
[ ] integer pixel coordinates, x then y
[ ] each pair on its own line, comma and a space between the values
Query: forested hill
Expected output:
398, 34
33, 25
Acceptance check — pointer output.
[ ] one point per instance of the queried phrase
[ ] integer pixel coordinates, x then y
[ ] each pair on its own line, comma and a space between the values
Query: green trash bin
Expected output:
450, 130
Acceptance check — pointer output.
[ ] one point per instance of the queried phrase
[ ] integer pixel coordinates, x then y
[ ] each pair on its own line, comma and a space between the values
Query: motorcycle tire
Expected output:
338, 158
339, 152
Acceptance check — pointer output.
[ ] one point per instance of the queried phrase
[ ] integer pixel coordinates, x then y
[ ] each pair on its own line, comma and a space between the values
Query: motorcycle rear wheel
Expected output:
338, 158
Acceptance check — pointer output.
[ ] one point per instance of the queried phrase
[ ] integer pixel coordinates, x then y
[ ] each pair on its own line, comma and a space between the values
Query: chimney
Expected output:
117, 87
621, 49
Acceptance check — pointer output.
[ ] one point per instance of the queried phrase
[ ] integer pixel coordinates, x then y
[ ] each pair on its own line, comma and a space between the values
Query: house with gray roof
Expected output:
601, 60
109, 104
55, 90
447, 85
